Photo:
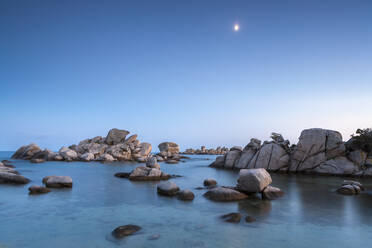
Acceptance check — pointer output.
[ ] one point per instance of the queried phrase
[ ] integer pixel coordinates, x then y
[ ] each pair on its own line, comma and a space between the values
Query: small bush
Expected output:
362, 139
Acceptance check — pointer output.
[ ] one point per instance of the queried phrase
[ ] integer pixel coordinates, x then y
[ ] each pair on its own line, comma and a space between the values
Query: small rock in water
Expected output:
154, 237
350, 188
167, 188
249, 219
122, 174
12, 178
210, 182
186, 195
272, 193
35, 189
37, 160
224, 194
347, 190
232, 217
123, 231
58, 181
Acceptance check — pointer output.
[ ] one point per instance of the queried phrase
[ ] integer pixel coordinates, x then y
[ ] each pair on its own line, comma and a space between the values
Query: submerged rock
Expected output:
35, 189
123, 231
122, 174
167, 188
253, 180
249, 219
58, 181
232, 217
224, 194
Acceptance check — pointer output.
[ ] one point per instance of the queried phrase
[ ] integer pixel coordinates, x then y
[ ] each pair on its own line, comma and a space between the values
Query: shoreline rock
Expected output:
203, 151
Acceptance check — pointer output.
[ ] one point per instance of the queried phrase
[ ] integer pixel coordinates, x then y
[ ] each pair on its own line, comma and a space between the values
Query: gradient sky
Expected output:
176, 70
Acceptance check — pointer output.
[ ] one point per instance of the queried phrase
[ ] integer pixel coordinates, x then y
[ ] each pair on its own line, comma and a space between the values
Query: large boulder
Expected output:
87, 157
169, 147
152, 163
58, 181
67, 153
219, 162
224, 194
209, 182
231, 157
358, 157
116, 136
316, 146
167, 188
271, 156
185, 195
106, 157
248, 153
337, 166
12, 178
145, 149
26, 152
253, 180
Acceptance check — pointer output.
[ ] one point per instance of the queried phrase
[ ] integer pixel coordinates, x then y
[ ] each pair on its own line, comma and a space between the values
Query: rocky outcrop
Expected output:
169, 152
9, 175
115, 147
272, 193
203, 151
318, 151
143, 173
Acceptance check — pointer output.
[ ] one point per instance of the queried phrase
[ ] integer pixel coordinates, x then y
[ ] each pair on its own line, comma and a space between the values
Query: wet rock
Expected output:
232, 217
87, 157
26, 152
123, 231
347, 190
253, 180
224, 194
67, 154
167, 188
272, 193
152, 163
116, 136
249, 219
12, 178
122, 174
58, 181
35, 189
186, 195
143, 173
209, 182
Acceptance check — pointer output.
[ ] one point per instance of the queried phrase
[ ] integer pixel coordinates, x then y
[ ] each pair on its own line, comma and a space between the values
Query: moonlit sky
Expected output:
176, 70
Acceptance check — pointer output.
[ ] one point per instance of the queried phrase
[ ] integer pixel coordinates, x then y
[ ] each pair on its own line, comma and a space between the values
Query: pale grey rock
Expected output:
116, 136
143, 173
225, 194
271, 156
219, 162
170, 147
159, 158
337, 166
87, 157
145, 149
253, 180
167, 188
277, 137
58, 181
231, 157
106, 157
316, 146
67, 154
131, 138
236, 148
152, 163
347, 190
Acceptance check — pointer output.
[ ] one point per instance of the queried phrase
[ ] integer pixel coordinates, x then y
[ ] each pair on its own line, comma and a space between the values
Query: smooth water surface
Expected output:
310, 214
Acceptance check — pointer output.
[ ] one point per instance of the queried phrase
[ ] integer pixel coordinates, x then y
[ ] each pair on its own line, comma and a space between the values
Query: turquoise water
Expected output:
310, 214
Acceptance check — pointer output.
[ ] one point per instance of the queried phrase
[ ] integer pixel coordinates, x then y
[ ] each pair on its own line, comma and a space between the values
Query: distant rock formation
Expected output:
218, 151
169, 152
318, 151
114, 147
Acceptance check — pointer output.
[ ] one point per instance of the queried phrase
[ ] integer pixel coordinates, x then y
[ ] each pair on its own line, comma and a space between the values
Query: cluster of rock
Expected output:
115, 146
350, 188
203, 151
318, 151
150, 172
8, 175
51, 182
250, 181
169, 152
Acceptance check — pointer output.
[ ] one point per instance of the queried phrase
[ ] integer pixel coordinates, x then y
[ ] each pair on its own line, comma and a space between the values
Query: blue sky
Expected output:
176, 70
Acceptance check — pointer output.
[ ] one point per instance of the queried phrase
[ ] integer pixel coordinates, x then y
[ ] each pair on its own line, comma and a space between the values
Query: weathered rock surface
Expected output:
152, 163
123, 231
350, 188
143, 173
272, 193
26, 152
58, 181
185, 195
169, 151
167, 188
116, 136
35, 189
67, 154
225, 194
253, 180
